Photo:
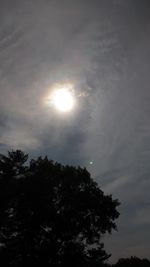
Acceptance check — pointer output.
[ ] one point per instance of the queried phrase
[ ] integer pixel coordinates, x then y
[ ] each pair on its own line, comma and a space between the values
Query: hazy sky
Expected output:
102, 47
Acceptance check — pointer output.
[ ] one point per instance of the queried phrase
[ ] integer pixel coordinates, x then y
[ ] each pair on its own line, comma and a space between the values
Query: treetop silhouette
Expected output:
51, 215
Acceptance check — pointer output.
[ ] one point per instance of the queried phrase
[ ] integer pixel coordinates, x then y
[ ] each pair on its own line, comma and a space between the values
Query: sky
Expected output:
102, 48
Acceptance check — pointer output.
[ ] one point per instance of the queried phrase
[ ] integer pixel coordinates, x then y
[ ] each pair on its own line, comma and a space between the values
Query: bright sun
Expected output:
62, 98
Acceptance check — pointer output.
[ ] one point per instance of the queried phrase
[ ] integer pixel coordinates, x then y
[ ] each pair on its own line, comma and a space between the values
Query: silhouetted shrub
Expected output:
132, 262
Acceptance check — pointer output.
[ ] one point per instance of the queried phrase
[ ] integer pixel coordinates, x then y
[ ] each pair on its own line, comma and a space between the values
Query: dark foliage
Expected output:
132, 262
51, 215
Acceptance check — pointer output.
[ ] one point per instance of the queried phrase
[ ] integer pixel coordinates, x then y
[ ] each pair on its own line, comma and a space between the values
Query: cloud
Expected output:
117, 183
96, 46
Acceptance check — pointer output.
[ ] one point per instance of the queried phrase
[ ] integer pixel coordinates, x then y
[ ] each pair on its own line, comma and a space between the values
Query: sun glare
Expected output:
61, 97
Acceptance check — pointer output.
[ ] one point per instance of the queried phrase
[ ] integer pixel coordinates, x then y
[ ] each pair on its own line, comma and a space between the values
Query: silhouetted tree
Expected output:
132, 262
51, 215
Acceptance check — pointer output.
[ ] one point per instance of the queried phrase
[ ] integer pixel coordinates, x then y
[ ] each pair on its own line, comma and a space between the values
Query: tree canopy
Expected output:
132, 262
50, 214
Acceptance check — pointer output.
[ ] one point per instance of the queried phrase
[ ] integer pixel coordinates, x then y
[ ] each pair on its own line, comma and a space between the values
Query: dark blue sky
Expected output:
102, 47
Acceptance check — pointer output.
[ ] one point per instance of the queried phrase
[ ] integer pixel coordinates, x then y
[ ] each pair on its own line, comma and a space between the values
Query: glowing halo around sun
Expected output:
62, 97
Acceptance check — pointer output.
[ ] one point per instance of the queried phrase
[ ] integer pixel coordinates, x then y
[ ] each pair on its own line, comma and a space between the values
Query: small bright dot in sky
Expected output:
91, 162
